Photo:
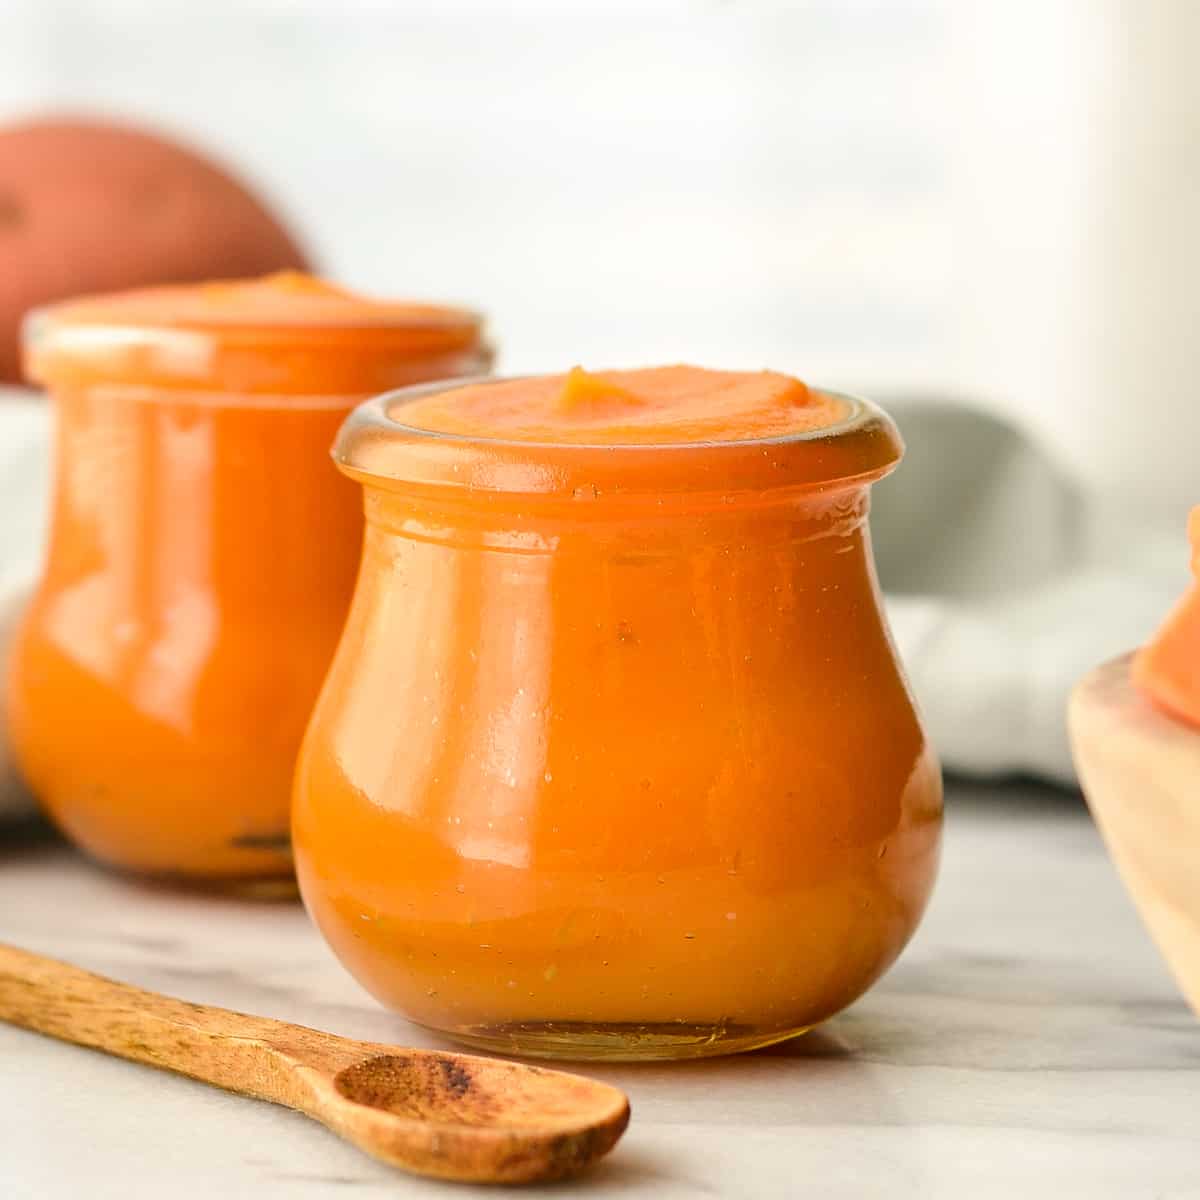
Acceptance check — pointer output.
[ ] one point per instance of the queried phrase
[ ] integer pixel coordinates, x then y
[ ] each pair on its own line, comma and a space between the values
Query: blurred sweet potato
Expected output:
91, 206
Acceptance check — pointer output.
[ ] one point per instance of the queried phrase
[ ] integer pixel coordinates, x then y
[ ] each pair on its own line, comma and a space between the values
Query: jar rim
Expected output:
377, 448
69, 343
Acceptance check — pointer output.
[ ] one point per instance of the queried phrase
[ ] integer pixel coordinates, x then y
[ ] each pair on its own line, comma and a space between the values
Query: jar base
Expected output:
585, 1041
277, 885
267, 878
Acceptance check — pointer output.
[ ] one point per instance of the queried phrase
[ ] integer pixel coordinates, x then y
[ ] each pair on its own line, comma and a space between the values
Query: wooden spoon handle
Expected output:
254, 1056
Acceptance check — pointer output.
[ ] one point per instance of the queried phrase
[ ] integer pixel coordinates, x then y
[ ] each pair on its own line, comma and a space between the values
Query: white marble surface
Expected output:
1029, 1044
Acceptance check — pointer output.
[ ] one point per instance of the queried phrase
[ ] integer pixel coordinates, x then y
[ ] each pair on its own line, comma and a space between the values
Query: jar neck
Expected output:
545, 524
165, 501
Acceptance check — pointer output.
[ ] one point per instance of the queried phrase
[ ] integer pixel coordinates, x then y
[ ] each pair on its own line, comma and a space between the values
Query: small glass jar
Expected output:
201, 557
615, 759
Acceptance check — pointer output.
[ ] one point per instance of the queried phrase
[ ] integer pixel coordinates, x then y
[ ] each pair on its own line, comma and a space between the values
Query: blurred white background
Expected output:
986, 198
737, 182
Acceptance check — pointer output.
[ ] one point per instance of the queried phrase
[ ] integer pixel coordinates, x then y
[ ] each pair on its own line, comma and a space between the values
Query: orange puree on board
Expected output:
615, 758
1167, 668
202, 555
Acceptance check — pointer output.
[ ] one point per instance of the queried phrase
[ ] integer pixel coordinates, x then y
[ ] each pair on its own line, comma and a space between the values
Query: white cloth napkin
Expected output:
1004, 583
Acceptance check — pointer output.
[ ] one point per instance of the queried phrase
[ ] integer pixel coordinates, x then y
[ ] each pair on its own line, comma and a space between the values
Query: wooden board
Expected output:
1140, 770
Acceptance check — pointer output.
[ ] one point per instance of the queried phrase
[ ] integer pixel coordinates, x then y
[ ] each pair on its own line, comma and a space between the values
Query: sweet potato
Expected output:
92, 206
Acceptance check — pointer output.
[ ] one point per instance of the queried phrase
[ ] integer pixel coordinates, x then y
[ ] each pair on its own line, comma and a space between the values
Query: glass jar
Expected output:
201, 556
615, 758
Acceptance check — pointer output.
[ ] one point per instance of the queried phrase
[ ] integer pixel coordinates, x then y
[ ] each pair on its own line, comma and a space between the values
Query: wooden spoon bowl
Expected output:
1140, 770
466, 1117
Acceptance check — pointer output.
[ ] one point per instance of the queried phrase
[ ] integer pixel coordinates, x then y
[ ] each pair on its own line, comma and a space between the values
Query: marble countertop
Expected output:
1029, 1043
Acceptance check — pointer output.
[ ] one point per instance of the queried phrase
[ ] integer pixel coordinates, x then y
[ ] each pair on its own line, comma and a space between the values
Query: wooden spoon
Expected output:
454, 1116
1140, 769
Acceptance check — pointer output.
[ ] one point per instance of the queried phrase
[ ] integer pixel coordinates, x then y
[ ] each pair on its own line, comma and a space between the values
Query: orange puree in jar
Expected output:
615, 758
202, 555
1167, 668
661, 405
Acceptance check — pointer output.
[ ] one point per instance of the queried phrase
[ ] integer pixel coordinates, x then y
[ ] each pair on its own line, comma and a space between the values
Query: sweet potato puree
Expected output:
201, 558
1167, 668
615, 758
662, 405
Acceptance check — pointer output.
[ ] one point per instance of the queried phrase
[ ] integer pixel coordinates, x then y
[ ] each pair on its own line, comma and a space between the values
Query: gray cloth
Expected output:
1005, 583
